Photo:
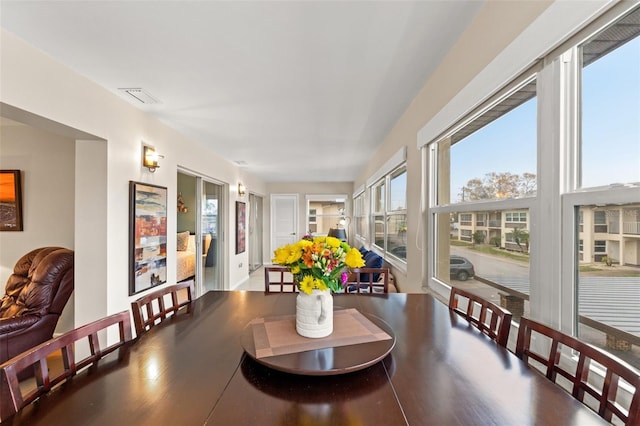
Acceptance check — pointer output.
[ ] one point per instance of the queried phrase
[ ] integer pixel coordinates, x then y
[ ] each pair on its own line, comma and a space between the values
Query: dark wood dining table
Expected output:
192, 370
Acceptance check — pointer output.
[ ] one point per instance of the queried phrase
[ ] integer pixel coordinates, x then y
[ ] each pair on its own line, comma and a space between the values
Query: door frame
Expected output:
327, 197
256, 232
223, 225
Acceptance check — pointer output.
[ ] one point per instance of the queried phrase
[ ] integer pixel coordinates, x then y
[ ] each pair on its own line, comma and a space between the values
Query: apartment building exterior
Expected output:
606, 233
494, 227
611, 232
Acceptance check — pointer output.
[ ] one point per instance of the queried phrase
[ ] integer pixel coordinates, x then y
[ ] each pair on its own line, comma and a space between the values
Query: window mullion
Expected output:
569, 76
545, 266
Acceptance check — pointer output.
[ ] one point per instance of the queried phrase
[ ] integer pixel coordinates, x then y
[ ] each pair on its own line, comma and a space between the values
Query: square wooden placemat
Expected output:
277, 335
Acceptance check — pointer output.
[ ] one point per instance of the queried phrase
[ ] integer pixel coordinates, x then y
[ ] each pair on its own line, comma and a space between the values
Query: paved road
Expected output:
487, 265
613, 301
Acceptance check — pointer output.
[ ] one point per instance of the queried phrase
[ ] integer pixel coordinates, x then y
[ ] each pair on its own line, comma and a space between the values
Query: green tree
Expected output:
521, 238
527, 184
478, 237
499, 185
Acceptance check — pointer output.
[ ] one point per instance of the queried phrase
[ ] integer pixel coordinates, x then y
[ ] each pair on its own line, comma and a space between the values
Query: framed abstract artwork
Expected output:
147, 236
241, 232
10, 200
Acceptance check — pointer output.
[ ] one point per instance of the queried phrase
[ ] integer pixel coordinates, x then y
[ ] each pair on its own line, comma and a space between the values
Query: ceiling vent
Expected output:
140, 95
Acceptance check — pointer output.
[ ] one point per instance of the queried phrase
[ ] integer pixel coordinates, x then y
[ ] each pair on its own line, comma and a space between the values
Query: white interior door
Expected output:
284, 219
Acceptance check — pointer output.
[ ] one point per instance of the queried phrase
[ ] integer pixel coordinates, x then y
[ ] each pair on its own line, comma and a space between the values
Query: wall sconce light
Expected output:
150, 158
241, 189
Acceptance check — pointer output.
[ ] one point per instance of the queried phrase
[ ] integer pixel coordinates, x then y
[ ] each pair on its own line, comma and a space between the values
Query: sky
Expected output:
611, 118
508, 144
398, 192
610, 132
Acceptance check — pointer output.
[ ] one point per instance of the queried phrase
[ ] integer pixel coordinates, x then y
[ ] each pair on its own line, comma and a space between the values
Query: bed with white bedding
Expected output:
185, 256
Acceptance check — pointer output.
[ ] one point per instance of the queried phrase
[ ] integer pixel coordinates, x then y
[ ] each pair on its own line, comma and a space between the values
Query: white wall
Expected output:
46, 162
33, 82
47, 165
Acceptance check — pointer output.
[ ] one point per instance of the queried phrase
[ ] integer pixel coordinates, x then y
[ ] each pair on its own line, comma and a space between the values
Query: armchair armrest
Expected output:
9, 325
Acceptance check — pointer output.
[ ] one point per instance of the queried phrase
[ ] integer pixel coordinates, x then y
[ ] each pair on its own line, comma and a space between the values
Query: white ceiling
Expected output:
299, 90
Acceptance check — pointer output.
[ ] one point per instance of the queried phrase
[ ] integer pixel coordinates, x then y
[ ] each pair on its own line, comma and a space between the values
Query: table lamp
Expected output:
339, 233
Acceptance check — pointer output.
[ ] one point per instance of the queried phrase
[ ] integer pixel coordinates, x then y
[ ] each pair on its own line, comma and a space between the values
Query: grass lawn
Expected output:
488, 249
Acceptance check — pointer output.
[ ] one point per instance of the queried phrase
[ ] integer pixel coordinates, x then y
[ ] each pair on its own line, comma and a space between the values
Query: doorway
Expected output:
201, 212
326, 212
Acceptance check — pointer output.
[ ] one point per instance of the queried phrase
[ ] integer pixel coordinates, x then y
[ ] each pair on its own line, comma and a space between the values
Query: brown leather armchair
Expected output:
35, 296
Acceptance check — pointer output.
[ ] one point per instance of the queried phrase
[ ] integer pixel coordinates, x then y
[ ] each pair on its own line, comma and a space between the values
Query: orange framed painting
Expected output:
10, 200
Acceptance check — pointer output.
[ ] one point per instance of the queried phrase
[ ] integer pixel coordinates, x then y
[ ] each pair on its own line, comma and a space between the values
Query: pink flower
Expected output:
344, 277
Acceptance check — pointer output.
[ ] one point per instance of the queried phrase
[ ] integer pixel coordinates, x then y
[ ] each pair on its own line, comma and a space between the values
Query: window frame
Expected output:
466, 219
503, 205
360, 216
571, 203
555, 214
395, 161
574, 196
552, 271
386, 213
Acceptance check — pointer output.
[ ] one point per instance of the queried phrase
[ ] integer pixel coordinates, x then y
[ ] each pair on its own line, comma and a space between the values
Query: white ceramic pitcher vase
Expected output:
314, 313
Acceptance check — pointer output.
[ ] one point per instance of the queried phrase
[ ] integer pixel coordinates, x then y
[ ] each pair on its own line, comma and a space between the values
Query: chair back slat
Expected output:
152, 308
604, 390
13, 398
278, 279
363, 281
488, 317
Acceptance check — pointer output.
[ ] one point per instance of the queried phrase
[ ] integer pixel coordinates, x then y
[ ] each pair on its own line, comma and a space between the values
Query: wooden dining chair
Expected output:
601, 392
365, 280
488, 317
15, 396
155, 307
278, 279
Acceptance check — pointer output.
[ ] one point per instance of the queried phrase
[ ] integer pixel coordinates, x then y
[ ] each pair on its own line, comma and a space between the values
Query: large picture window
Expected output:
389, 214
478, 166
546, 174
608, 280
360, 218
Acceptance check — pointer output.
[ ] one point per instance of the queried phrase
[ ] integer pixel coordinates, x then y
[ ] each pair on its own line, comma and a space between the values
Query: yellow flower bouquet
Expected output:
319, 262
